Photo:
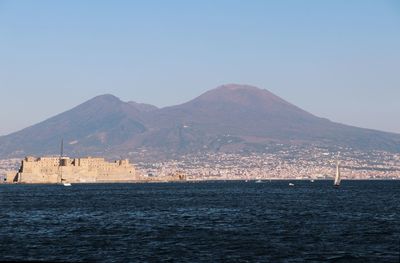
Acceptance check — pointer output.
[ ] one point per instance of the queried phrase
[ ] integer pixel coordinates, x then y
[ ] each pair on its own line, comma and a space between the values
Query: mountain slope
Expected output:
249, 114
94, 126
227, 118
142, 107
239, 109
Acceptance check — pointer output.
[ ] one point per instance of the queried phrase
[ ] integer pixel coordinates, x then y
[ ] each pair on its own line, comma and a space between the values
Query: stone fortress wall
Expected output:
73, 170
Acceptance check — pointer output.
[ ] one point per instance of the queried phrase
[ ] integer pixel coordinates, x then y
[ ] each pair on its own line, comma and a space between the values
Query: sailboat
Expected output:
336, 183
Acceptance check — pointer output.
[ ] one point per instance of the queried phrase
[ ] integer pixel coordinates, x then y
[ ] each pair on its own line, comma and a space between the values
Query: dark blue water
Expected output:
202, 222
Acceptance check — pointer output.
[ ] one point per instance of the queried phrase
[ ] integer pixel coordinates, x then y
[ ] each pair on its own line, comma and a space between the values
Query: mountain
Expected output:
92, 127
228, 118
143, 107
238, 116
240, 110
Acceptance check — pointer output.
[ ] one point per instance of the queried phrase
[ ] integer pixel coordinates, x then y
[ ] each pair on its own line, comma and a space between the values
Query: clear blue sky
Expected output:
335, 59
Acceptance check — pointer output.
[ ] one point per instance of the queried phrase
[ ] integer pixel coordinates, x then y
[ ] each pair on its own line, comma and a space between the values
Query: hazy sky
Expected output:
335, 59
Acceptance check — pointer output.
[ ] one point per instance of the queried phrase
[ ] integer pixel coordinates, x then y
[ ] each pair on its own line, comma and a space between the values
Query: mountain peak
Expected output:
234, 86
108, 98
243, 96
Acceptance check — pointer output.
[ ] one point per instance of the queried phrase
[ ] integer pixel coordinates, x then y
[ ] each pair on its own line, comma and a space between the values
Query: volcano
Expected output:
228, 118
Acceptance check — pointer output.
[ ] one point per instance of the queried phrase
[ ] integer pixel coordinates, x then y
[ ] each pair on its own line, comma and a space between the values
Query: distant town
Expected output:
284, 162
288, 162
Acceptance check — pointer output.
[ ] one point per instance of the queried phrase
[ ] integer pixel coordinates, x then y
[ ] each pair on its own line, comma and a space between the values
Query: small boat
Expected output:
336, 183
258, 181
291, 184
66, 184
312, 181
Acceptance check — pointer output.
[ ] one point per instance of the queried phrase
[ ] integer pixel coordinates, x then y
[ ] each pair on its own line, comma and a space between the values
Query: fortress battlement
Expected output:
92, 162
49, 169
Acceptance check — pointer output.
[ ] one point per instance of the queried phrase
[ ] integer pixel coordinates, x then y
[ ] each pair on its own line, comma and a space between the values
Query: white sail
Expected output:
337, 177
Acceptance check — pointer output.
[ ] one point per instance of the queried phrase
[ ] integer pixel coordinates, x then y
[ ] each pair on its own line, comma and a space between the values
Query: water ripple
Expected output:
202, 222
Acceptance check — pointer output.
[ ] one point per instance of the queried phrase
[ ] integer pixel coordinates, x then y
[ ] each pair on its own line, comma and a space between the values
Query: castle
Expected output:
78, 170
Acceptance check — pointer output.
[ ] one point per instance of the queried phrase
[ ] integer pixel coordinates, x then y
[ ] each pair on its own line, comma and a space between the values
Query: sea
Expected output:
215, 221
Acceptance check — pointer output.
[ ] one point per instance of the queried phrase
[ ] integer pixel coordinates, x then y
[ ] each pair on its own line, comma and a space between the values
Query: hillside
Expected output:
227, 118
